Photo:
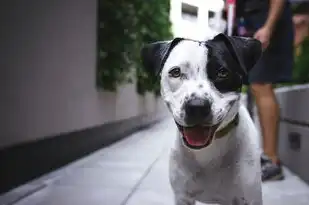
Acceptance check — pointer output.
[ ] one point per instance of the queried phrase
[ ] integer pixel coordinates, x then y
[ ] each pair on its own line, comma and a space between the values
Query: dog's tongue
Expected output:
198, 136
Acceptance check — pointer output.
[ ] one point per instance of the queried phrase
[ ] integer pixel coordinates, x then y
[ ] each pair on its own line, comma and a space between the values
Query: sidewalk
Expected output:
131, 172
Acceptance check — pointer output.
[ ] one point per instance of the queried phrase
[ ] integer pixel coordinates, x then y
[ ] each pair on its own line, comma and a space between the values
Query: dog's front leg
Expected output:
184, 200
243, 201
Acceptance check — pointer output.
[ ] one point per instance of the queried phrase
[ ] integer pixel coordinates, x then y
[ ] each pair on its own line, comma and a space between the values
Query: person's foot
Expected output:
270, 171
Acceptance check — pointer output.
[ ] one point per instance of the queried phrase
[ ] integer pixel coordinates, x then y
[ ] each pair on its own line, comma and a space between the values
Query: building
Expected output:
196, 19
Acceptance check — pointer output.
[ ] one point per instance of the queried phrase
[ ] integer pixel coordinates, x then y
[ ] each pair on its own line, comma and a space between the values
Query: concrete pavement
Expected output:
130, 172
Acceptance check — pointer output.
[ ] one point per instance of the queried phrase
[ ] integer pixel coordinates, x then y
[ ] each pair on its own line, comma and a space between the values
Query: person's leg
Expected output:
275, 66
268, 112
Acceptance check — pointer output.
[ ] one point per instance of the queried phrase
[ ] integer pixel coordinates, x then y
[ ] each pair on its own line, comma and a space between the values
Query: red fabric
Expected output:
231, 1
228, 3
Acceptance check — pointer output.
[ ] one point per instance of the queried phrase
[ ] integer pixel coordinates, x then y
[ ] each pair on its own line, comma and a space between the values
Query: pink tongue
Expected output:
197, 136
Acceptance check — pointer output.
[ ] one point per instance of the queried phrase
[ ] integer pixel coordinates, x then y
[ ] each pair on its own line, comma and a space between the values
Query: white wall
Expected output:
48, 68
198, 29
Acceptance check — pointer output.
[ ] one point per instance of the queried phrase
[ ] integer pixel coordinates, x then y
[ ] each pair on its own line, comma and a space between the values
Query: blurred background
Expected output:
72, 85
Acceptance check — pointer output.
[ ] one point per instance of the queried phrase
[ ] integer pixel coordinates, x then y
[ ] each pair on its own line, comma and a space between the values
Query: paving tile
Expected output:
19, 193
158, 178
150, 197
70, 195
110, 175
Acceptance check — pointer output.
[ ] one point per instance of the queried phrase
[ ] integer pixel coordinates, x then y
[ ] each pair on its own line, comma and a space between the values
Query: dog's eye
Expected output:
222, 74
175, 72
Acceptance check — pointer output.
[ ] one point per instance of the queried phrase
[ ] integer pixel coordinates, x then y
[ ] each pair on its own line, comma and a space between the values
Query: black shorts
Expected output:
276, 63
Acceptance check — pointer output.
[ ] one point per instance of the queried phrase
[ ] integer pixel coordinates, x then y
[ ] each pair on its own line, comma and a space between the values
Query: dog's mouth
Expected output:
198, 136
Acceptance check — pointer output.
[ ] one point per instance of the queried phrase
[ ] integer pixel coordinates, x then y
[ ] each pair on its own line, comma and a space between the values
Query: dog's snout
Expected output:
197, 109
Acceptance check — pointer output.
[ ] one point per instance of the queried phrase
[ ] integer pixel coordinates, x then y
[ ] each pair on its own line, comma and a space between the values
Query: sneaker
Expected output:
271, 171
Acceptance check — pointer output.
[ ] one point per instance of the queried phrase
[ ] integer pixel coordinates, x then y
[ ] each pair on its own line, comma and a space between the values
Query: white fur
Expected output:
226, 171
192, 59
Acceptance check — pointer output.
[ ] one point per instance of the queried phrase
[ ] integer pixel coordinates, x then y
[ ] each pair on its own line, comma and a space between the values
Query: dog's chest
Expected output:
206, 179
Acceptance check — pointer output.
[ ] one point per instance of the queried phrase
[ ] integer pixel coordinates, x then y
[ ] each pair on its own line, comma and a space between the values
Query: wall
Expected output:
294, 128
51, 112
48, 67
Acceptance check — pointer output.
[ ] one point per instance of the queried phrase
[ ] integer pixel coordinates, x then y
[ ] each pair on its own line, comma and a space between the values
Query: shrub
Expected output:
124, 26
301, 67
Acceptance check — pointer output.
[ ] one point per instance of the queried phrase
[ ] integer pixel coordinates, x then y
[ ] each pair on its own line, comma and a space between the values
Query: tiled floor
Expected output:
131, 172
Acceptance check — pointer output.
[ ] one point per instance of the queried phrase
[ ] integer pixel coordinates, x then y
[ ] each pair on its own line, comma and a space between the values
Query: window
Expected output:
188, 12
211, 14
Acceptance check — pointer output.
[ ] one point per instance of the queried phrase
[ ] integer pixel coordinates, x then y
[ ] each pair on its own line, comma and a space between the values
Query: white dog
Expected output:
216, 157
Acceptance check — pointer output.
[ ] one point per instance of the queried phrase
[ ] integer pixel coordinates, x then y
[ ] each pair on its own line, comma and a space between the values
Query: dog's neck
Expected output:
226, 129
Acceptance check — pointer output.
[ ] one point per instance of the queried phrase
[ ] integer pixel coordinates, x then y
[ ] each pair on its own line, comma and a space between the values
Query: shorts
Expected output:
276, 64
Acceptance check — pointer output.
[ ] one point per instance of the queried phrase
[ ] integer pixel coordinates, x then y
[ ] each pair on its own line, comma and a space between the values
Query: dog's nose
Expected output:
197, 110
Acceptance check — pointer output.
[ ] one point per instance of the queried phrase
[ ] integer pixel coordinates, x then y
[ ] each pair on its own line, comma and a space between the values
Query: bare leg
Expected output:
268, 112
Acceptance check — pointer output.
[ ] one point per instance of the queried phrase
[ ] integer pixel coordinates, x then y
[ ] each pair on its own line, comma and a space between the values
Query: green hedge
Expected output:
124, 26
301, 68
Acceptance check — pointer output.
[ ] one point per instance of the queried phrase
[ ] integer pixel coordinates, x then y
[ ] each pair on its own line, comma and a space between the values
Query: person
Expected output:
271, 23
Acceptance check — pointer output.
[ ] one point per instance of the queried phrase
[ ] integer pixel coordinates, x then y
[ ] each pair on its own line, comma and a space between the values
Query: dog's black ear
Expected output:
246, 51
154, 55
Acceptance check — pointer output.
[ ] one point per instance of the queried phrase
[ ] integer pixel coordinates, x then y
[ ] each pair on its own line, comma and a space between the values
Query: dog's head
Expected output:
201, 81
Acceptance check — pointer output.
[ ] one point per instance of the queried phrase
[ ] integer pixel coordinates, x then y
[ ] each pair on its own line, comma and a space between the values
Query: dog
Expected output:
215, 158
